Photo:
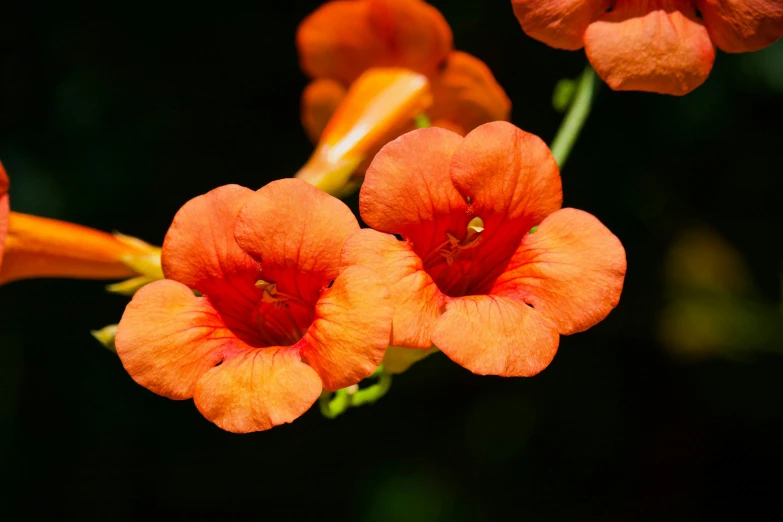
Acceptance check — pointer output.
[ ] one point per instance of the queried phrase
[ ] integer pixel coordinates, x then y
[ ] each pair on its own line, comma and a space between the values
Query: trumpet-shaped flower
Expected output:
664, 46
381, 104
278, 317
344, 41
33, 247
490, 270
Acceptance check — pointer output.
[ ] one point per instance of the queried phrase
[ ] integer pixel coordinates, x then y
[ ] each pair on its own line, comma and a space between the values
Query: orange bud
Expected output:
42, 247
380, 105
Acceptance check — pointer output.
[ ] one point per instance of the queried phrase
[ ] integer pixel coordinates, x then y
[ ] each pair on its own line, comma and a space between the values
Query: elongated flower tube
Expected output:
491, 270
380, 105
34, 247
345, 39
278, 316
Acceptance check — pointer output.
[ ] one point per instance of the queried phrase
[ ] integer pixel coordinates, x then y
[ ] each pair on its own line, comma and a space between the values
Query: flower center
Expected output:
452, 247
460, 266
470, 264
282, 318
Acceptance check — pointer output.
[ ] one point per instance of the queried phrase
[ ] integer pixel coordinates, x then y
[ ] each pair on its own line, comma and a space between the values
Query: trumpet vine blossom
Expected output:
490, 269
663, 46
278, 316
35, 247
342, 44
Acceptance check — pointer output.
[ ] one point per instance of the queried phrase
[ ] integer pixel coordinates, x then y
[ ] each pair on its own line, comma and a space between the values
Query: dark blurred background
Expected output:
671, 409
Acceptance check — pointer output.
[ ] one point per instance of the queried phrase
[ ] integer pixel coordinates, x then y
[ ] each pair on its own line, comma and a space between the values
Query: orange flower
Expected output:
380, 105
279, 316
664, 46
491, 270
32, 246
345, 40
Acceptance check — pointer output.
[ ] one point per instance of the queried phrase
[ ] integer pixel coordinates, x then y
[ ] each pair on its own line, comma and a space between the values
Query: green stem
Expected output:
335, 404
575, 118
372, 393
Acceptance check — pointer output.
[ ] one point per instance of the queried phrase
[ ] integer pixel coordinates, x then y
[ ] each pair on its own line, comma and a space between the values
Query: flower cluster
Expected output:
291, 296
663, 46
376, 65
261, 302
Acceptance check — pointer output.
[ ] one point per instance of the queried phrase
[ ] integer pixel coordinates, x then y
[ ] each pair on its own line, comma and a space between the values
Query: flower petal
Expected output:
168, 338
739, 26
200, 251
341, 39
407, 189
257, 390
416, 299
337, 41
513, 182
415, 34
508, 174
492, 335
349, 336
657, 46
571, 270
296, 232
467, 95
558, 23
319, 101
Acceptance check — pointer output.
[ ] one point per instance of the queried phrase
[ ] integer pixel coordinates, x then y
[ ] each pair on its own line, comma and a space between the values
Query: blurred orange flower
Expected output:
664, 46
33, 247
490, 269
346, 39
278, 318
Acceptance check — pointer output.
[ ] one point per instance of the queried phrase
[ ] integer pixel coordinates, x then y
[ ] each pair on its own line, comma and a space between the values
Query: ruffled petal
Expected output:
337, 41
571, 270
349, 336
739, 26
658, 46
509, 175
342, 39
492, 335
407, 189
200, 251
416, 299
415, 34
467, 95
513, 182
319, 101
257, 390
168, 338
296, 233
558, 23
